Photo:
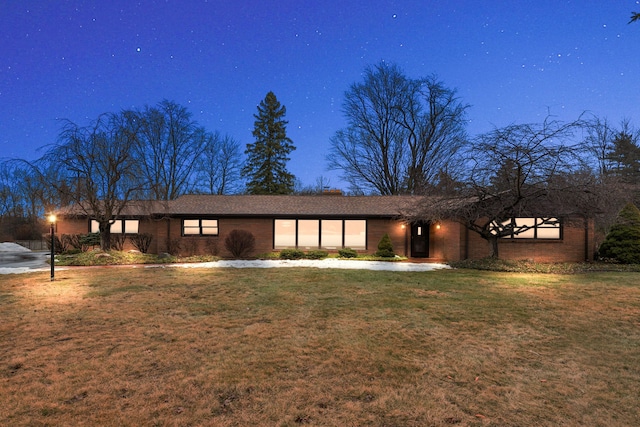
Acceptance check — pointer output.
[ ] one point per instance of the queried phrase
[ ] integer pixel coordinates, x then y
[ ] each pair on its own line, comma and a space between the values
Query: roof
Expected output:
267, 205
272, 205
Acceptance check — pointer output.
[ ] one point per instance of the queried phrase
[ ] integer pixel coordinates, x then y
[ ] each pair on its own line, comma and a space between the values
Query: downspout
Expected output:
466, 243
587, 257
166, 245
406, 241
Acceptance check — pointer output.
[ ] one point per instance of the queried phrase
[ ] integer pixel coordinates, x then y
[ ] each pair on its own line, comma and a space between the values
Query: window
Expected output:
316, 233
531, 228
284, 233
119, 226
355, 234
200, 227
331, 234
308, 233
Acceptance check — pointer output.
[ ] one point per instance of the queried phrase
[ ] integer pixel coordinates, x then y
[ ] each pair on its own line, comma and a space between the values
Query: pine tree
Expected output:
385, 248
266, 167
623, 241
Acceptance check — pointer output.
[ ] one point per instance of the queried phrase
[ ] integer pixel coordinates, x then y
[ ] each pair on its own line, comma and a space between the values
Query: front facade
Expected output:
199, 224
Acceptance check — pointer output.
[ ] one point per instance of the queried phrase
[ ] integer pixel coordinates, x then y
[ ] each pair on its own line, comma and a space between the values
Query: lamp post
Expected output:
52, 222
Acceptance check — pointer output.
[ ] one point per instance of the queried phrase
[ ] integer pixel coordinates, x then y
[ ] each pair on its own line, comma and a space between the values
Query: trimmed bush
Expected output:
622, 244
240, 243
89, 240
385, 248
347, 253
291, 254
316, 254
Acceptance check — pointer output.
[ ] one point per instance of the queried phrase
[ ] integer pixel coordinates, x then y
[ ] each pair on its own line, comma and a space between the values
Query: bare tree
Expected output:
98, 170
598, 144
435, 134
320, 186
526, 170
25, 197
219, 165
401, 134
168, 146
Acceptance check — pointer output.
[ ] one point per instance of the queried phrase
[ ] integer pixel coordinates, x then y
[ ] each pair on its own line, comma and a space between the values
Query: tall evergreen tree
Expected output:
266, 166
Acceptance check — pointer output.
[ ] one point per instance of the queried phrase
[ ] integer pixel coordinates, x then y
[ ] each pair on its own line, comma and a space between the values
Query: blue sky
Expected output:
512, 61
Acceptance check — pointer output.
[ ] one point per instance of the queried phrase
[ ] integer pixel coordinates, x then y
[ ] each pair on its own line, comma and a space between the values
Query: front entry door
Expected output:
420, 240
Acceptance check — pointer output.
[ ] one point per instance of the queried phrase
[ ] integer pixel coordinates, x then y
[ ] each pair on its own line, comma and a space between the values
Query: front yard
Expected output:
225, 347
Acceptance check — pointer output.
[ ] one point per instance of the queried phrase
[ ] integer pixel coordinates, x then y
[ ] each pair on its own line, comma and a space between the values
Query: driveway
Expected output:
17, 259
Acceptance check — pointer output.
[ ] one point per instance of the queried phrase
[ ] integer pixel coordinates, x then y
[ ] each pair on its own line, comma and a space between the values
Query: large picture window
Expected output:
119, 226
532, 228
319, 233
284, 233
200, 227
355, 234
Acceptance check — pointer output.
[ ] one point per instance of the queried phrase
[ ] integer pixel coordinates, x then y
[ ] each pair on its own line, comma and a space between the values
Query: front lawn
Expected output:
132, 346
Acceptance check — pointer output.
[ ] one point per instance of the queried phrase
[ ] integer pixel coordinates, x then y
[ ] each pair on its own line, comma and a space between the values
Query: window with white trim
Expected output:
200, 227
119, 226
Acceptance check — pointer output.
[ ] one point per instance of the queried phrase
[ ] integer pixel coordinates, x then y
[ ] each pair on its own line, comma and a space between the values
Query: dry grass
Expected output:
174, 347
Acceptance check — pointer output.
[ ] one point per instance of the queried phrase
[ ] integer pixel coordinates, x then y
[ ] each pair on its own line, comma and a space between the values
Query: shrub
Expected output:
72, 240
59, 244
317, 254
91, 239
117, 241
347, 253
291, 254
385, 248
622, 244
190, 246
141, 241
240, 243
211, 246
173, 246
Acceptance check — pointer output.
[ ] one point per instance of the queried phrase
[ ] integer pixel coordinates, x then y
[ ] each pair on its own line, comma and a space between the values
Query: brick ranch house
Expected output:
199, 223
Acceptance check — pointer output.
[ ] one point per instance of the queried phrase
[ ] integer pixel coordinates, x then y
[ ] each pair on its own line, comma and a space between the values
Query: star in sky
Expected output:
512, 64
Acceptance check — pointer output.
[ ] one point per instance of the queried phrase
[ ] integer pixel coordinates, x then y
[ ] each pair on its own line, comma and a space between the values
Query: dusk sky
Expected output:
512, 61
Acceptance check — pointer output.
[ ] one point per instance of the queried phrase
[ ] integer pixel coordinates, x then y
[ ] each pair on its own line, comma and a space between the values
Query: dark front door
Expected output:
420, 240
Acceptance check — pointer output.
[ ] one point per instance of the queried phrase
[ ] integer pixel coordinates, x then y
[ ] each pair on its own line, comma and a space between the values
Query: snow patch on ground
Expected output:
324, 263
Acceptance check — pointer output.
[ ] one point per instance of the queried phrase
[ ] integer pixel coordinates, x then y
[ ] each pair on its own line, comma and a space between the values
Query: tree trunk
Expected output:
493, 246
105, 235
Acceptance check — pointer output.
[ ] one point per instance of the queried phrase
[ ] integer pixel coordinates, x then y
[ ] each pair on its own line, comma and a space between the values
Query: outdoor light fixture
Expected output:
438, 226
52, 222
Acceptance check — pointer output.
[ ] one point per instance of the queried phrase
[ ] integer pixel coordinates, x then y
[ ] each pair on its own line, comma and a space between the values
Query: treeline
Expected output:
404, 135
